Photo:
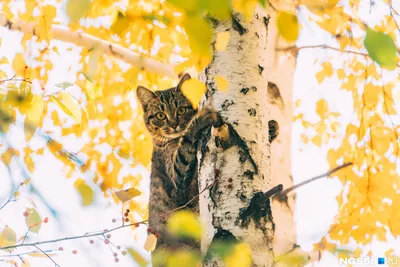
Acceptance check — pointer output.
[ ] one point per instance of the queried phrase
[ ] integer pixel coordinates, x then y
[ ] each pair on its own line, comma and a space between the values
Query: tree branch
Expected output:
296, 49
89, 41
282, 195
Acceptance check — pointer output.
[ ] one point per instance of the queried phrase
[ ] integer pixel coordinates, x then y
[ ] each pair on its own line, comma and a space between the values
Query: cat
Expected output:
175, 127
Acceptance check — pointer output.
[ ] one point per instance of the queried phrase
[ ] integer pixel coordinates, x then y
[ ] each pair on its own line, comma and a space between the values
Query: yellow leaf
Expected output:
150, 243
322, 108
77, 8
288, 26
371, 95
85, 192
137, 257
66, 102
183, 258
35, 109
184, 223
200, 34
127, 194
241, 256
327, 71
319, 5
33, 220
246, 7
120, 23
4, 60
222, 83
194, 89
93, 91
8, 237
222, 41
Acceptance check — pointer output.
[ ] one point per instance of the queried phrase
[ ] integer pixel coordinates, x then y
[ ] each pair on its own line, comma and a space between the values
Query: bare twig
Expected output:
103, 232
47, 255
282, 195
273, 191
295, 49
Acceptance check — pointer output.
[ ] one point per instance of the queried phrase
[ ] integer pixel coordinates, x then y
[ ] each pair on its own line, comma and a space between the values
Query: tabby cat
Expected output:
175, 127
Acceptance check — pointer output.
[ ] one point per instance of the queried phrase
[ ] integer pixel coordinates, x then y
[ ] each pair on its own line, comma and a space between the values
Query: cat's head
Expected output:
168, 112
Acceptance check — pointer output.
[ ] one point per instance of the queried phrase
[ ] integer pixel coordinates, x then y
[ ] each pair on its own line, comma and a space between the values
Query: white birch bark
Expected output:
245, 107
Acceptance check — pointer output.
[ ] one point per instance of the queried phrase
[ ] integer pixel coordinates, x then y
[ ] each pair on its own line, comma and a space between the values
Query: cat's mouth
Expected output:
173, 133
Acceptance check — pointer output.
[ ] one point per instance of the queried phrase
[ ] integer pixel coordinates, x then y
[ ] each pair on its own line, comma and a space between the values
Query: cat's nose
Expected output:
174, 125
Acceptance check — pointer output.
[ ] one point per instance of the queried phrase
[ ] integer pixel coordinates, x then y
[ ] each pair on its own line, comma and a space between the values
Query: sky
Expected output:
316, 202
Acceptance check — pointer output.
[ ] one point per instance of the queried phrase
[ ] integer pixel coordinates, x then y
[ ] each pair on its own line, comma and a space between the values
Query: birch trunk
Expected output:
225, 208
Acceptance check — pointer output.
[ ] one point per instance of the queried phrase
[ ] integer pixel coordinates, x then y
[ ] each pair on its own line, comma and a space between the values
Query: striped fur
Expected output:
175, 141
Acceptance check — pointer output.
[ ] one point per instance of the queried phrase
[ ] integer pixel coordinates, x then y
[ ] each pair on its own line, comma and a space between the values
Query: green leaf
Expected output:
200, 34
262, 3
288, 26
220, 9
33, 220
76, 9
188, 6
87, 77
64, 85
137, 257
85, 192
381, 48
184, 223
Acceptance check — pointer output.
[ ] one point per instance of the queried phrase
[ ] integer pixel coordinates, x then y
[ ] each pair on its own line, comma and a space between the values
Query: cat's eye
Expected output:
182, 110
161, 116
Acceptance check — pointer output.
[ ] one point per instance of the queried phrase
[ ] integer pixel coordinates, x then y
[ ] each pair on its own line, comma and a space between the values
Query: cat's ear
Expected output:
144, 95
184, 78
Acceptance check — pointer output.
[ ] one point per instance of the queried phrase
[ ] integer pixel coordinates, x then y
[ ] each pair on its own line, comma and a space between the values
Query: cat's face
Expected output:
166, 113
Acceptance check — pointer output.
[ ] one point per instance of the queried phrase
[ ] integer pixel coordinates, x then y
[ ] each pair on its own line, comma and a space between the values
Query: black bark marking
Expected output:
226, 104
252, 112
260, 69
245, 90
258, 210
266, 21
249, 174
273, 130
274, 94
237, 26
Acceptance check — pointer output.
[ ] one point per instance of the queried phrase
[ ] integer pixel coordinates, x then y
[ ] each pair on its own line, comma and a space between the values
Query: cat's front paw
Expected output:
211, 117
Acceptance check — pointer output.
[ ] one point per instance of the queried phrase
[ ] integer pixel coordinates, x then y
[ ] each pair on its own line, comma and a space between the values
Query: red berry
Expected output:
116, 259
21, 184
26, 67
42, 88
91, 241
126, 214
75, 252
123, 252
136, 224
60, 248
105, 230
108, 235
157, 235
46, 220
149, 230
106, 241
127, 211
113, 220
126, 219
118, 247
115, 254
26, 213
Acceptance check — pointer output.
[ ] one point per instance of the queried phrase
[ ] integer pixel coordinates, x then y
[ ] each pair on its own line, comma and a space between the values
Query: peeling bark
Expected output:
236, 204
